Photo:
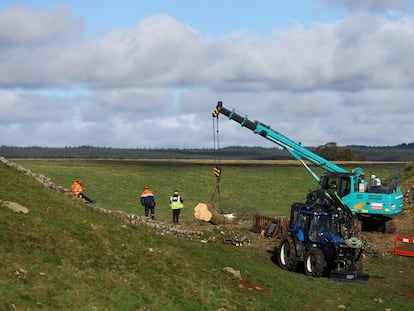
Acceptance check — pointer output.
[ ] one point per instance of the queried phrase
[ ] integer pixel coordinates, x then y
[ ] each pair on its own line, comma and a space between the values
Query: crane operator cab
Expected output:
336, 182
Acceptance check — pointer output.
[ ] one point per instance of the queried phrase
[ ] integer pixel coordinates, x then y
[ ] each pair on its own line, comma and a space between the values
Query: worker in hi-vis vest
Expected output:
375, 180
77, 191
176, 204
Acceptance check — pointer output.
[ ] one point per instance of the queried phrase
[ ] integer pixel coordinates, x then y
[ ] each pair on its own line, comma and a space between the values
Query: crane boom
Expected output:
296, 150
374, 205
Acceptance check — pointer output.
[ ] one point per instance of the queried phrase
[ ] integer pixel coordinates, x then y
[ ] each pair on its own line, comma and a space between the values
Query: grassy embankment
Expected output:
245, 189
63, 255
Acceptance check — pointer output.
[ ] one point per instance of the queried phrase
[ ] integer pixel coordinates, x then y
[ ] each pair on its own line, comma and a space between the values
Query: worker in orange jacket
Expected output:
77, 191
148, 201
76, 188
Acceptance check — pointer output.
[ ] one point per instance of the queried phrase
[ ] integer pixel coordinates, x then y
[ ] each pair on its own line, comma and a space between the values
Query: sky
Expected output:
148, 74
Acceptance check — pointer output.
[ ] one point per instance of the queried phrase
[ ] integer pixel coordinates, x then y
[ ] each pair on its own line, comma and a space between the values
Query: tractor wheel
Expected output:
314, 263
286, 255
390, 226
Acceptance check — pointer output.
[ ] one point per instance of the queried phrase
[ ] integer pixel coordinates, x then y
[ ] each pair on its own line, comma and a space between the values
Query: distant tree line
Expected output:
330, 151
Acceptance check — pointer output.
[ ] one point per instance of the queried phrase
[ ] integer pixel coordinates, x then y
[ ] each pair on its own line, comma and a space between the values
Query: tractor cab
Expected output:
341, 183
315, 225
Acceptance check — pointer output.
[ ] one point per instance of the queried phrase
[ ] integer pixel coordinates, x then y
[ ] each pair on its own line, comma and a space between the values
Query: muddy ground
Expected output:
242, 235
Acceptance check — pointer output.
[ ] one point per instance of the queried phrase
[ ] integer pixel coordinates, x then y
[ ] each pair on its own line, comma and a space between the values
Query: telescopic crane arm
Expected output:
296, 150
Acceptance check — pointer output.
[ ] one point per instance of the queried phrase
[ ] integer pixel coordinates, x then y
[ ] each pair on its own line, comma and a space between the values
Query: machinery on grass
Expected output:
373, 205
321, 238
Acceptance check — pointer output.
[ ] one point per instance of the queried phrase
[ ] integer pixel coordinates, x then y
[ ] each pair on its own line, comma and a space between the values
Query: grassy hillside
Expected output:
65, 256
245, 189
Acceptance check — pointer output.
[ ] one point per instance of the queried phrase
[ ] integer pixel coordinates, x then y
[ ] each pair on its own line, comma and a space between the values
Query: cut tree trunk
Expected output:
207, 212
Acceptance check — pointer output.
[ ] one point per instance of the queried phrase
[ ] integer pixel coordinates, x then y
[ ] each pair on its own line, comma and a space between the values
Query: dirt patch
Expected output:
247, 285
378, 243
384, 243
242, 235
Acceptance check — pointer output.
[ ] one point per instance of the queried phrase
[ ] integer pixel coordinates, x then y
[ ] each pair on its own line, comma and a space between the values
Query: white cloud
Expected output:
376, 6
156, 84
21, 26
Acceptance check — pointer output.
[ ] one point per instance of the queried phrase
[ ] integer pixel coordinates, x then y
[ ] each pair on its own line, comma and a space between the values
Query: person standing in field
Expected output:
77, 191
176, 204
148, 201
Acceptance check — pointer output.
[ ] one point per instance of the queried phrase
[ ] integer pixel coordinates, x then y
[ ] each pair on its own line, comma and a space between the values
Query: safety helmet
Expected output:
373, 176
146, 187
175, 191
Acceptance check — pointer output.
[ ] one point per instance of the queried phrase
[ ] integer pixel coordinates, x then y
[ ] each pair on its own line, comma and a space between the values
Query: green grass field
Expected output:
245, 189
66, 256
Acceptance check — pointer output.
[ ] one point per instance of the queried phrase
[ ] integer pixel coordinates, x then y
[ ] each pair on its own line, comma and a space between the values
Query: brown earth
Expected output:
384, 243
241, 234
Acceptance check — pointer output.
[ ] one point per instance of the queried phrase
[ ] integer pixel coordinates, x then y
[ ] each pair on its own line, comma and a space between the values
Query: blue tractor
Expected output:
373, 205
321, 239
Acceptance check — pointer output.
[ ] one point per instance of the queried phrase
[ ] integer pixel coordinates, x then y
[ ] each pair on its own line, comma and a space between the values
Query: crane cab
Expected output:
374, 205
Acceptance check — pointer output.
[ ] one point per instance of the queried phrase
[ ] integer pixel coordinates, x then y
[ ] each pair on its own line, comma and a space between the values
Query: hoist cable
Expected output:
216, 139
217, 169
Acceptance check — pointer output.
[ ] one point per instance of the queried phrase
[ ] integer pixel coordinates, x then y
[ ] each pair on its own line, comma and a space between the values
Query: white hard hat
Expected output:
373, 176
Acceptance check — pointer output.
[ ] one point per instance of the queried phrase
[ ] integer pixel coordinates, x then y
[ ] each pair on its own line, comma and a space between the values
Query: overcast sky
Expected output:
148, 74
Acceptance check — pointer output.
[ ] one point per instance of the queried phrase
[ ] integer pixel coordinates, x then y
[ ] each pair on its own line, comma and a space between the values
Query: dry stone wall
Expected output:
131, 219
